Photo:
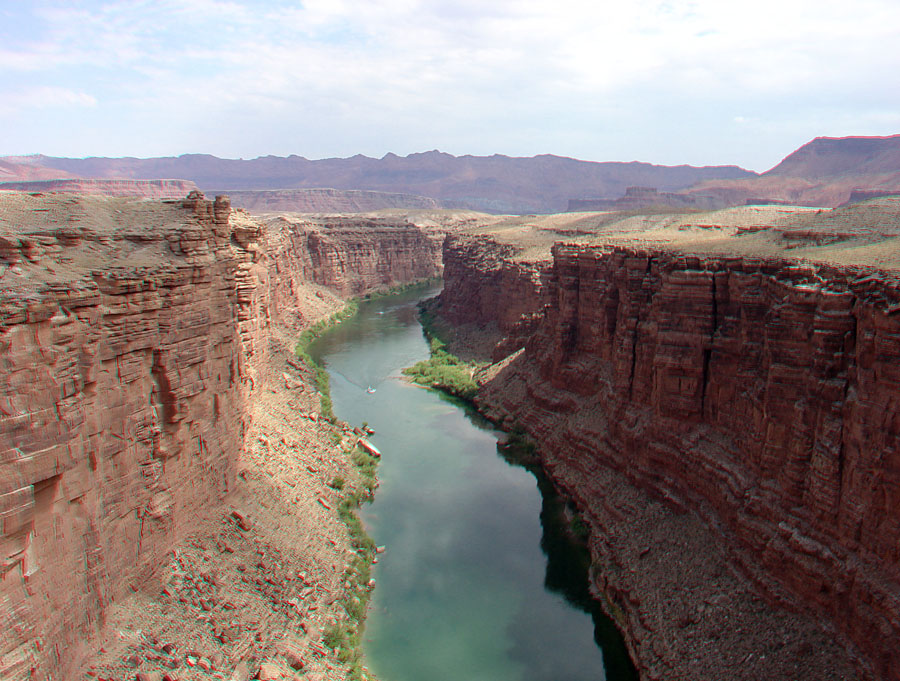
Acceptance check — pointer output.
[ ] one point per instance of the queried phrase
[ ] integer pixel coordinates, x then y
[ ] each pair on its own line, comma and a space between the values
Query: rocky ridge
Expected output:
823, 172
495, 184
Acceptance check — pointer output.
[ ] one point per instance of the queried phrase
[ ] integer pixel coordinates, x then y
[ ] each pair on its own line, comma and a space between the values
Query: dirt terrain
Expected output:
863, 234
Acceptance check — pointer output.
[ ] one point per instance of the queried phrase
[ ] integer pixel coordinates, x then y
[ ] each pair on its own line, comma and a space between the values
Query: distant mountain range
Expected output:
823, 172
499, 184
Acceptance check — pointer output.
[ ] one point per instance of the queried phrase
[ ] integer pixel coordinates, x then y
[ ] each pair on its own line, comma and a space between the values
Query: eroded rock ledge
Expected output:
698, 405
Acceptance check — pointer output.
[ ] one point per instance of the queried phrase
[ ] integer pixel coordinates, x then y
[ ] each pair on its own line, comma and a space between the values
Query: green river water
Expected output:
479, 581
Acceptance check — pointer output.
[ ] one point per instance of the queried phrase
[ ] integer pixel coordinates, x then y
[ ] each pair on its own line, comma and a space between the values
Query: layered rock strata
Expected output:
148, 189
350, 255
754, 393
132, 337
326, 200
123, 404
493, 290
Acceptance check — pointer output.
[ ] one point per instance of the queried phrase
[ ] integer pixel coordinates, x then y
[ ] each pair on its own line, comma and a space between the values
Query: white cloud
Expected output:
512, 76
46, 98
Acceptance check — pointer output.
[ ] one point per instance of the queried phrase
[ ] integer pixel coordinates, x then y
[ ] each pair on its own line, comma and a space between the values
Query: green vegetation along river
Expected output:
480, 579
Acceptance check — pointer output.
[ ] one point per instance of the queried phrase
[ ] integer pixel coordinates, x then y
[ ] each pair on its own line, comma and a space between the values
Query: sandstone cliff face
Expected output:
121, 410
130, 336
756, 393
349, 255
489, 289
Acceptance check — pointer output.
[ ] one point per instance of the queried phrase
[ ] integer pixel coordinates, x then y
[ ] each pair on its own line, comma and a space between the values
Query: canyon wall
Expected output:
349, 256
131, 335
149, 189
757, 393
123, 405
490, 288
355, 255
326, 200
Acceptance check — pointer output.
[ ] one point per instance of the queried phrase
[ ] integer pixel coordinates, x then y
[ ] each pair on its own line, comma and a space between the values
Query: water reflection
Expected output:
568, 565
481, 579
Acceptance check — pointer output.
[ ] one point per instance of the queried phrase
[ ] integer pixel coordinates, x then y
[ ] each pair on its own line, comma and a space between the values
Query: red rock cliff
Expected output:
130, 333
351, 255
756, 393
490, 288
122, 405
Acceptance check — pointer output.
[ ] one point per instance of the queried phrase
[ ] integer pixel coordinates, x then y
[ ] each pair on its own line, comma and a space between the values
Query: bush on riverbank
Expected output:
346, 636
445, 372
323, 385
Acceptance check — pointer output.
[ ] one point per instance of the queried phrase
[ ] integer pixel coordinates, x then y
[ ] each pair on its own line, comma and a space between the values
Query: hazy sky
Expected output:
695, 81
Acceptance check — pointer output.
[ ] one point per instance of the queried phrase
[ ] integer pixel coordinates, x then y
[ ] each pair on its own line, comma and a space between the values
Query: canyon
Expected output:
713, 390
149, 401
736, 368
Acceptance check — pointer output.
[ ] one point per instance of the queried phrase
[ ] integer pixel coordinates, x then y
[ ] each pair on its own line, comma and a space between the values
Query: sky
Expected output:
702, 82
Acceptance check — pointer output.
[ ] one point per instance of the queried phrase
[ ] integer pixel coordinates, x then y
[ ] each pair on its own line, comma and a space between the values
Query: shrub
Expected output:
445, 372
346, 637
302, 351
579, 528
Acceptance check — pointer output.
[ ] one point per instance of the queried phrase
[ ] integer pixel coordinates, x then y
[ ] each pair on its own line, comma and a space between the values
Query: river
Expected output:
479, 581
